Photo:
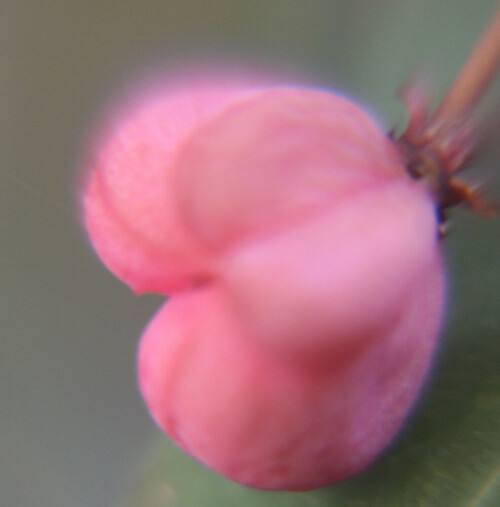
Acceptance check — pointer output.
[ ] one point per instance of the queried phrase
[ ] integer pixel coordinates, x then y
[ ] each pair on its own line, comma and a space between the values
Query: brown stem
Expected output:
472, 80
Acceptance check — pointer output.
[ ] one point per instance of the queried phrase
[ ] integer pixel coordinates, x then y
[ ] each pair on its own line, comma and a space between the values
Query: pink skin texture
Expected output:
303, 268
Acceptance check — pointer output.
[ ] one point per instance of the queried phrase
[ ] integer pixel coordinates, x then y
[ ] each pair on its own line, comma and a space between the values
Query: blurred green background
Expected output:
73, 429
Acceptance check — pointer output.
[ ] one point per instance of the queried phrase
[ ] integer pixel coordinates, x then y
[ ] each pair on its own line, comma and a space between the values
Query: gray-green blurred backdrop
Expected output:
73, 429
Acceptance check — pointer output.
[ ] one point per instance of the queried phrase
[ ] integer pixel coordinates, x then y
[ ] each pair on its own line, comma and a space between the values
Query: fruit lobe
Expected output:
304, 273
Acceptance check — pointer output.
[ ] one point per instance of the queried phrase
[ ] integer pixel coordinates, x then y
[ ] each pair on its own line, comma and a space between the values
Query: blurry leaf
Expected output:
174, 479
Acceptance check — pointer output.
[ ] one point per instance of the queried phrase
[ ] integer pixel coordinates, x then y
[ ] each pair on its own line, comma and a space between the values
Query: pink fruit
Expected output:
303, 268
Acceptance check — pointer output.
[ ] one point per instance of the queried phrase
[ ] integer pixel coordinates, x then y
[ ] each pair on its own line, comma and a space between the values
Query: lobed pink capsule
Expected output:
303, 268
